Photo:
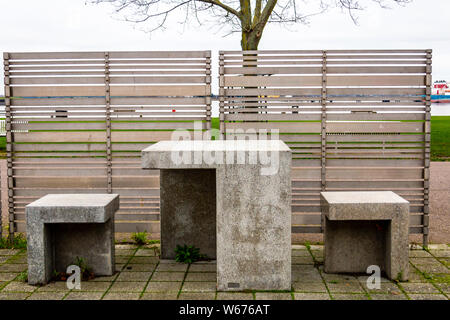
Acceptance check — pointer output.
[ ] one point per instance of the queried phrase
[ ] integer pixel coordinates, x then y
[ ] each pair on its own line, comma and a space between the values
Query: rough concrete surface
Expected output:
366, 228
189, 205
253, 212
62, 227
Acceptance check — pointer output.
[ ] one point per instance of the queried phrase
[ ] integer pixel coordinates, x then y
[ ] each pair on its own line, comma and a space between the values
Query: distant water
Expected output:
440, 109
437, 109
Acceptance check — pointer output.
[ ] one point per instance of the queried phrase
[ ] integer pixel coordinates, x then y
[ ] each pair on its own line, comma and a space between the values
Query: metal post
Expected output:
323, 133
426, 174
9, 146
208, 90
108, 124
222, 94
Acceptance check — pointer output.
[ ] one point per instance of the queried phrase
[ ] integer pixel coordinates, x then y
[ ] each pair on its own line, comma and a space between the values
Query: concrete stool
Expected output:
228, 206
363, 229
61, 227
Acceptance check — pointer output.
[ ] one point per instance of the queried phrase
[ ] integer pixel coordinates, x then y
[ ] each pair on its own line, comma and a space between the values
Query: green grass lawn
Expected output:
440, 138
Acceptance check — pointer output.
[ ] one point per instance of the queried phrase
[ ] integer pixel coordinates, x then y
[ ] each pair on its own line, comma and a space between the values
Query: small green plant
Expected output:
427, 275
85, 270
334, 281
188, 254
19, 241
399, 276
140, 238
23, 276
308, 245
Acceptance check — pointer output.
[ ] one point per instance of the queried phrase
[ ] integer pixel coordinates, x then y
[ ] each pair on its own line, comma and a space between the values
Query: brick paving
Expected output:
142, 275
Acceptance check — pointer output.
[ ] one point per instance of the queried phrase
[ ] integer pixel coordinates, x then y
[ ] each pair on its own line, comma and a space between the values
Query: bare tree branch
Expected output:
236, 15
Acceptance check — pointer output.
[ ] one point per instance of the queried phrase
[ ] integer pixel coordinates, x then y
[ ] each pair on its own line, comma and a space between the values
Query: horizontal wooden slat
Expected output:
85, 91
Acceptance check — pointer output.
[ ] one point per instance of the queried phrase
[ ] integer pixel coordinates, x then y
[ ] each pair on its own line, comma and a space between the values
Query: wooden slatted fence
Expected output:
77, 122
355, 120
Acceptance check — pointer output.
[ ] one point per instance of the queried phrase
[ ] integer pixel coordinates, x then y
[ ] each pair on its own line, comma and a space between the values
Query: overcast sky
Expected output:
73, 25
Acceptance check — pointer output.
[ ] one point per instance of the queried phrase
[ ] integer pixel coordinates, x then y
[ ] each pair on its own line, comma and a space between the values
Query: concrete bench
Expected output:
231, 211
61, 227
363, 229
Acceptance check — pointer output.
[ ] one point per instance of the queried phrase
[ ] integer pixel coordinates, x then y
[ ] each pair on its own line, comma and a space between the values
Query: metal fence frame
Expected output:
76, 122
116, 86
355, 120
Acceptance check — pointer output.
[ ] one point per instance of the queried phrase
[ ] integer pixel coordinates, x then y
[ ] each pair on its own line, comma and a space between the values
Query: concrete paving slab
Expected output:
54, 286
311, 296
201, 276
122, 296
273, 296
199, 287
345, 287
47, 296
172, 267
344, 296
234, 296
94, 286
197, 296
18, 286
151, 260
309, 287
74, 295
132, 267
168, 276
135, 286
13, 295
301, 253
203, 268
13, 267
134, 276
388, 296
425, 296
432, 268
163, 286
160, 296
419, 288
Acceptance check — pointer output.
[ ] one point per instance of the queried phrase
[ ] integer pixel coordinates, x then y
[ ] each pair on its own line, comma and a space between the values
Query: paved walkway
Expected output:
143, 275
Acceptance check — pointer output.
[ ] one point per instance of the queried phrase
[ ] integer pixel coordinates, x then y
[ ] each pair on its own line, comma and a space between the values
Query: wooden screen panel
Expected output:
169, 91
80, 120
354, 119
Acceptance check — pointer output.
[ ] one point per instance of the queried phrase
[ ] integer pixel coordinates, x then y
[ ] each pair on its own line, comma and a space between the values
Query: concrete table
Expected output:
61, 227
232, 207
363, 229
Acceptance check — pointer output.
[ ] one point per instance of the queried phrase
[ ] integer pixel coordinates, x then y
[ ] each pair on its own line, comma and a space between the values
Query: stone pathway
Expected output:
143, 275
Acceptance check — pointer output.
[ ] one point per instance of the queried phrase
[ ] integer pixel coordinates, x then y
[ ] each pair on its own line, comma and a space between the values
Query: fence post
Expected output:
108, 125
222, 95
426, 174
9, 147
208, 90
323, 133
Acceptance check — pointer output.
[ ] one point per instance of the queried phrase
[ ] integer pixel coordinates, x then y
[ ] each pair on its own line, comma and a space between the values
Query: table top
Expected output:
207, 154
218, 145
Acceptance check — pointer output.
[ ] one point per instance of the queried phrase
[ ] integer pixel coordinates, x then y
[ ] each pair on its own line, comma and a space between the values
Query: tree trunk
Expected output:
250, 40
